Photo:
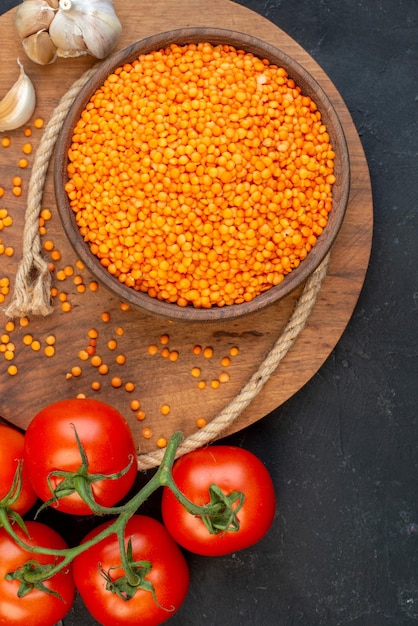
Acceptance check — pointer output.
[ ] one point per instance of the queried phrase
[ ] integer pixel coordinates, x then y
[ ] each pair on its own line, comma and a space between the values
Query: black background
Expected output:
343, 450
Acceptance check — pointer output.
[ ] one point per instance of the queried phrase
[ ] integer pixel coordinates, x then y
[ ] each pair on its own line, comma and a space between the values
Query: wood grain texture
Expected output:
158, 381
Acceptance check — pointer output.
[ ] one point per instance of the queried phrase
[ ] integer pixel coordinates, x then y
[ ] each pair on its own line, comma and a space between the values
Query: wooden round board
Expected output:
158, 379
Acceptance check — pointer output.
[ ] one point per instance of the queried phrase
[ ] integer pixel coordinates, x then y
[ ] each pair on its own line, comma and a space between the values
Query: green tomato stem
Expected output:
162, 478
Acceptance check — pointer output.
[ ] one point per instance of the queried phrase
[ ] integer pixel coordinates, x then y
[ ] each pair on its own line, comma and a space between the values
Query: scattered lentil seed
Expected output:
195, 372
165, 409
234, 351
164, 339
173, 356
38, 122
225, 361
165, 353
124, 306
23, 321
27, 148
5, 142
83, 355
23, 163
147, 433
224, 377
49, 351
129, 387
152, 349
95, 385
27, 339
134, 405
96, 360
215, 383
201, 384
105, 317
112, 344
116, 382
103, 369
94, 285
201, 422
66, 306
162, 442
120, 359
140, 415
12, 370
120, 331
208, 353
76, 371
27, 132
9, 251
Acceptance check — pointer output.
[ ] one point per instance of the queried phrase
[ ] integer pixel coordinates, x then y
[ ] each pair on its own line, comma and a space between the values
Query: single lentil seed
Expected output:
116, 382
134, 405
165, 409
12, 370
162, 442
201, 422
140, 415
147, 433
152, 349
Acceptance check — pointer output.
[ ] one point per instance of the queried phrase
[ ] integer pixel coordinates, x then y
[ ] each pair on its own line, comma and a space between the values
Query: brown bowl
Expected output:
309, 87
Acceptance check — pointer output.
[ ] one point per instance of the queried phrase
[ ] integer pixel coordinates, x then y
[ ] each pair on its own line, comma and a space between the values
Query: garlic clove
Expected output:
66, 34
53, 3
85, 26
101, 31
18, 105
32, 16
40, 48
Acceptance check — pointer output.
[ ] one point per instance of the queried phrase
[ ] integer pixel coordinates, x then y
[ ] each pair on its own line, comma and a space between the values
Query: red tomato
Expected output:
37, 608
169, 575
50, 444
11, 451
232, 469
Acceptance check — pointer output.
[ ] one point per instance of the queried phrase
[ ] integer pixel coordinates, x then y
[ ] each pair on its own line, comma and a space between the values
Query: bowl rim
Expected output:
309, 86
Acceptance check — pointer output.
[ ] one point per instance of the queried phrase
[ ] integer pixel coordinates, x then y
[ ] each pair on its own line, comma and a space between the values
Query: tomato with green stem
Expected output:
30, 603
16, 491
240, 492
80, 448
150, 592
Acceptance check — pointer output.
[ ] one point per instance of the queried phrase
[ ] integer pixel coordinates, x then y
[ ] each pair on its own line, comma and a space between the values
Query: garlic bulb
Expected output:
69, 28
18, 105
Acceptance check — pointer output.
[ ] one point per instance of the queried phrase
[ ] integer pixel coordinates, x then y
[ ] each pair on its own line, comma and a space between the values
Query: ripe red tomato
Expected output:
50, 445
37, 608
11, 451
169, 575
232, 469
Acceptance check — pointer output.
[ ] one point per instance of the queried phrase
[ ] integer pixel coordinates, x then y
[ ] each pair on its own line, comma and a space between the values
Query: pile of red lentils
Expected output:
200, 175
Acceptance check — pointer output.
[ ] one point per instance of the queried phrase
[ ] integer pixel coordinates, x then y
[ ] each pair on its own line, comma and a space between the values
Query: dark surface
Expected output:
343, 549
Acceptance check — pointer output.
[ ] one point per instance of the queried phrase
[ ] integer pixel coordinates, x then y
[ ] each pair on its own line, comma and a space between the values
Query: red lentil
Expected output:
201, 422
147, 433
213, 180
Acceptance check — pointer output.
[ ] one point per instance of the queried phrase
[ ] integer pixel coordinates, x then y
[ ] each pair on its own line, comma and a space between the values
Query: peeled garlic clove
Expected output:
18, 105
39, 48
82, 26
32, 16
